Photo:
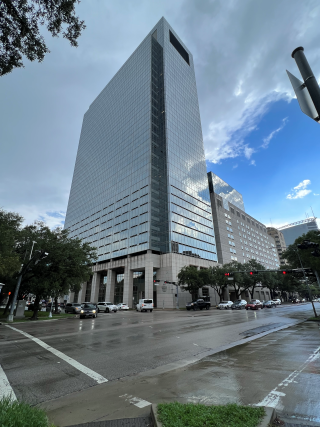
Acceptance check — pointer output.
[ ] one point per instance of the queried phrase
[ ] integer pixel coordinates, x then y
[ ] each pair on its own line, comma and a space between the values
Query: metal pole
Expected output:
177, 301
308, 77
31, 250
15, 295
306, 281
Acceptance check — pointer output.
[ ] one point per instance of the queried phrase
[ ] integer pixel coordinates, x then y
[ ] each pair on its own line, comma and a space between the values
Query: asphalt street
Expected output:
126, 353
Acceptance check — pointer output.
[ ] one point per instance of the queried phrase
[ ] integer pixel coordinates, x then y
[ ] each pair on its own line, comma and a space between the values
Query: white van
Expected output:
145, 305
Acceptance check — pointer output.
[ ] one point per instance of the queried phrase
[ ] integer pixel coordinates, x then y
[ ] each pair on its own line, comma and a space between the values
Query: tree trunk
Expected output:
36, 308
6, 310
251, 290
56, 306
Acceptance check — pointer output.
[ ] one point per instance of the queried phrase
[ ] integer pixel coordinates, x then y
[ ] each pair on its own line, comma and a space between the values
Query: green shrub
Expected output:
20, 414
196, 415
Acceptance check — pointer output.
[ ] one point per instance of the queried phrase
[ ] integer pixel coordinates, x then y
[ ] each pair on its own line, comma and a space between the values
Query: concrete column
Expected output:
111, 281
82, 292
148, 286
128, 285
95, 287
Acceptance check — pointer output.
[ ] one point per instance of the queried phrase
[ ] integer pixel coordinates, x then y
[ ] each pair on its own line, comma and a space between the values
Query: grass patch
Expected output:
20, 414
314, 319
195, 415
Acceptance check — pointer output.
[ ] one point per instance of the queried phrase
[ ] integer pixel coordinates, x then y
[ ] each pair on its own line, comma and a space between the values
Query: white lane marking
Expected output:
92, 374
5, 387
136, 401
195, 344
273, 398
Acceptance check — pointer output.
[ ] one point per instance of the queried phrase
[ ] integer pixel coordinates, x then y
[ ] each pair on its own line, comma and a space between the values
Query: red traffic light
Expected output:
284, 272
251, 273
9, 293
227, 274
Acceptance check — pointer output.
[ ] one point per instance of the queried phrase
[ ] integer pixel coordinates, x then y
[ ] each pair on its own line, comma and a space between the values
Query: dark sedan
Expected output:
239, 305
269, 304
88, 310
254, 305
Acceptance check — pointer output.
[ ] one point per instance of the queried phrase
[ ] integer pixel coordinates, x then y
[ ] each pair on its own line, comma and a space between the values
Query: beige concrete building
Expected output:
280, 242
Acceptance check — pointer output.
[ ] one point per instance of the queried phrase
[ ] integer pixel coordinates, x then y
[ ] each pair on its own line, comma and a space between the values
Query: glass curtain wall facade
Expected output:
140, 178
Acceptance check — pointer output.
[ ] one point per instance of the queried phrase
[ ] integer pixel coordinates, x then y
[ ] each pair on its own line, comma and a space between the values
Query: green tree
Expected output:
217, 280
192, 279
250, 282
20, 22
238, 283
67, 265
308, 260
10, 226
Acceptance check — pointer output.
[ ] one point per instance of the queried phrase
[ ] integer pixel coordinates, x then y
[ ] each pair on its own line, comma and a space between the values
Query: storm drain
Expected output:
124, 422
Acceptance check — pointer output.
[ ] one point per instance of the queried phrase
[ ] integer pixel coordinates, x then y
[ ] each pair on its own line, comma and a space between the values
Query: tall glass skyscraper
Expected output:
140, 182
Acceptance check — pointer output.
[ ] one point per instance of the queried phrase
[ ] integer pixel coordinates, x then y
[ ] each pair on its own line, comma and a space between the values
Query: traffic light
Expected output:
315, 253
229, 274
253, 272
285, 272
156, 281
306, 244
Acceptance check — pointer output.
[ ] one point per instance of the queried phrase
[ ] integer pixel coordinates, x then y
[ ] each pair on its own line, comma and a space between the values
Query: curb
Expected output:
265, 422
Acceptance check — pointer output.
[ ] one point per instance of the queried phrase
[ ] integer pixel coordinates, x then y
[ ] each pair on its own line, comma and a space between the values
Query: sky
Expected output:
256, 138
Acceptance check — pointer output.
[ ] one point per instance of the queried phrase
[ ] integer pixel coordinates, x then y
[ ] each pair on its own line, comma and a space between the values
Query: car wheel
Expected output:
188, 309
207, 307
201, 308
150, 311
81, 317
107, 310
247, 309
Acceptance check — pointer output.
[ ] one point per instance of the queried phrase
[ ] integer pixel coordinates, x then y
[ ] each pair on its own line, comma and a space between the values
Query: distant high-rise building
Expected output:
280, 242
239, 236
292, 231
139, 191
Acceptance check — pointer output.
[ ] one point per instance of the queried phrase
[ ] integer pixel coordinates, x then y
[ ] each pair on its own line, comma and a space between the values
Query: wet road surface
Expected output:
159, 346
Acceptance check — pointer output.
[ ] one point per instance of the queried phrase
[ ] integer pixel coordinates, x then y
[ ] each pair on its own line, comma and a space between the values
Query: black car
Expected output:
269, 304
200, 304
88, 310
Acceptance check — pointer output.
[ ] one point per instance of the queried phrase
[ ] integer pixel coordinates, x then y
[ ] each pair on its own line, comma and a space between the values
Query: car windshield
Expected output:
148, 301
88, 306
77, 305
252, 302
109, 303
237, 302
224, 302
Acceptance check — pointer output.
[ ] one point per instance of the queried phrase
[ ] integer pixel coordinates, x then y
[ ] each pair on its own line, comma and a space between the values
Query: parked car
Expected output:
303, 300
254, 305
277, 301
199, 304
295, 300
122, 306
225, 304
269, 304
106, 307
72, 307
145, 305
88, 310
239, 304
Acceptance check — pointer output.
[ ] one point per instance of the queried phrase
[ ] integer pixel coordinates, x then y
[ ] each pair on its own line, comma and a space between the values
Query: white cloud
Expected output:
300, 190
253, 163
316, 194
267, 140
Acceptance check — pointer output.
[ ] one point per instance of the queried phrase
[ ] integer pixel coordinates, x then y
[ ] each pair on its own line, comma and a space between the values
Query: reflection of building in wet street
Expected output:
139, 192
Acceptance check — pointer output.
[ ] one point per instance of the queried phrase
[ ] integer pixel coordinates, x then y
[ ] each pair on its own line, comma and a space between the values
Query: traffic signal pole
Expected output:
306, 281
308, 77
